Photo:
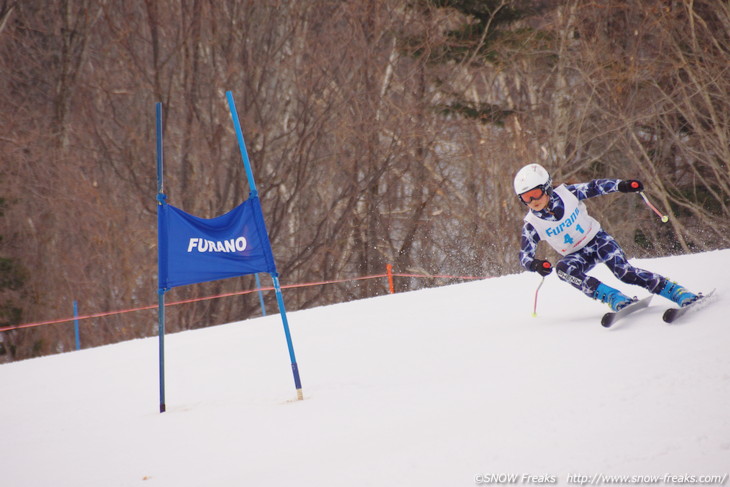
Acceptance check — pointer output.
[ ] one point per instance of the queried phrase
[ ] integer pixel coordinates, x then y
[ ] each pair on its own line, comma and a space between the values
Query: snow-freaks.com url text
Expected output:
600, 479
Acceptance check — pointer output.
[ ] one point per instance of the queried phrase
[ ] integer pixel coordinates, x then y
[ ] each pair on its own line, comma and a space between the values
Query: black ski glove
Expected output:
542, 267
630, 186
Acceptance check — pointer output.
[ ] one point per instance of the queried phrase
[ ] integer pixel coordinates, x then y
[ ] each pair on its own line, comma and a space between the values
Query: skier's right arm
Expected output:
528, 245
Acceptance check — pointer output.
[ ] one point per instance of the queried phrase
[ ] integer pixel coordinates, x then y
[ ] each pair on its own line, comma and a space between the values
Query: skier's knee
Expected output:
562, 268
566, 272
569, 274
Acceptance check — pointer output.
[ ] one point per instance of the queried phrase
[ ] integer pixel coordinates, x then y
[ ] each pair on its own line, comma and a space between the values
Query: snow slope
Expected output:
440, 387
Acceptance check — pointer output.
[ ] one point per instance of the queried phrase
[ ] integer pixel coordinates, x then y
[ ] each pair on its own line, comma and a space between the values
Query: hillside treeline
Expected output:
379, 132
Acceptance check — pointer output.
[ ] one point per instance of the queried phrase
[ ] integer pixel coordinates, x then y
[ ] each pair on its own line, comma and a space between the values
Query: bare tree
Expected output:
379, 132
658, 100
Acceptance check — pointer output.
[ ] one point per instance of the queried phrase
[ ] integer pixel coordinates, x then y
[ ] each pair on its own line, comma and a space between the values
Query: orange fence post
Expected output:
389, 272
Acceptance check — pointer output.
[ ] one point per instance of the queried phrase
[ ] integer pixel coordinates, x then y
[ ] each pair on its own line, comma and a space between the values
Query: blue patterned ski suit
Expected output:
573, 268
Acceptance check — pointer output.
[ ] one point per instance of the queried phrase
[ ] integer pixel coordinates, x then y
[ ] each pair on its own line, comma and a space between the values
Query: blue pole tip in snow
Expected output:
297, 380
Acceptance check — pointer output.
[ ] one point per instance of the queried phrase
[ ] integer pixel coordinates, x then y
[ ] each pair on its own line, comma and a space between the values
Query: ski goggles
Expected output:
532, 195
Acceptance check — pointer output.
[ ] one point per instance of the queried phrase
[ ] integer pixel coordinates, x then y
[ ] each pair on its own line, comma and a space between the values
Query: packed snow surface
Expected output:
451, 386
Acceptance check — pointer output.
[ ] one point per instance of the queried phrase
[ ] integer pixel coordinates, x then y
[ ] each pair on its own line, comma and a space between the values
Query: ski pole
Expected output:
664, 218
534, 307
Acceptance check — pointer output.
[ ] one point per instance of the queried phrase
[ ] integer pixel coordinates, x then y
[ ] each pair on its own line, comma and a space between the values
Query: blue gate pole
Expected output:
160, 254
77, 336
249, 173
274, 276
289, 344
242, 145
161, 335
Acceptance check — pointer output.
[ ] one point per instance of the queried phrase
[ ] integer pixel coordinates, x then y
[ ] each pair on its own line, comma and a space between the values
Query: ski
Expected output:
672, 314
610, 318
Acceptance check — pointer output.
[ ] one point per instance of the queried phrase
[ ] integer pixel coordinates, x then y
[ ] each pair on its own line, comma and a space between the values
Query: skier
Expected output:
559, 216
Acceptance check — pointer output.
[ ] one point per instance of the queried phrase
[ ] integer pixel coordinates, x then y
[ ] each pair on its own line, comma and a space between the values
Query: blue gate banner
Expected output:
194, 250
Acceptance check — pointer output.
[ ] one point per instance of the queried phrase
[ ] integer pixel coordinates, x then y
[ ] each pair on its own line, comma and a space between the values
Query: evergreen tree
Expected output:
485, 34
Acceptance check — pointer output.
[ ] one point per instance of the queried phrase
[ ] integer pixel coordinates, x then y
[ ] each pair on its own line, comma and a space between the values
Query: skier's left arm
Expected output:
599, 187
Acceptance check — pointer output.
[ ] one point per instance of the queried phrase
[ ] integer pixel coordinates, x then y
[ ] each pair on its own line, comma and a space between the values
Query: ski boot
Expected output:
677, 293
615, 299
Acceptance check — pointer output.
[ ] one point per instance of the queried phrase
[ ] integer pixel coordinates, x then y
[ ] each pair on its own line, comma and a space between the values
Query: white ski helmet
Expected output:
530, 177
